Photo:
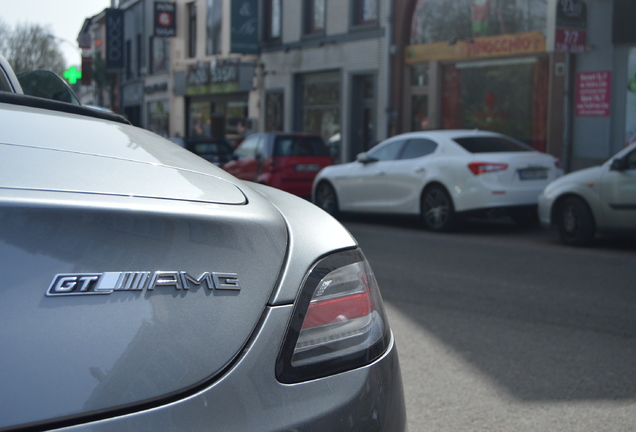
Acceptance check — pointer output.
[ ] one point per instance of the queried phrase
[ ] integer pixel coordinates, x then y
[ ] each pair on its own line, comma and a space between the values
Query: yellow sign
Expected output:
481, 47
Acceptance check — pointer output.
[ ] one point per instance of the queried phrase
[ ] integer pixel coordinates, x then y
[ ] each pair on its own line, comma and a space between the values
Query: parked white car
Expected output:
595, 200
441, 176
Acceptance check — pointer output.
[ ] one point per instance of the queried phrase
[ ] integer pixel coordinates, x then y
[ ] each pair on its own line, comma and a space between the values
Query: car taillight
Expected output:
558, 164
478, 168
338, 323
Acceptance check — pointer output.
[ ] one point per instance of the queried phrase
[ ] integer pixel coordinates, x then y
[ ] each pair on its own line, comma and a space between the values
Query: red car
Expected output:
286, 161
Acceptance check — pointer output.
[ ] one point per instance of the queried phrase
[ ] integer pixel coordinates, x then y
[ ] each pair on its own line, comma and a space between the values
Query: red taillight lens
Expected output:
478, 168
339, 322
324, 312
557, 164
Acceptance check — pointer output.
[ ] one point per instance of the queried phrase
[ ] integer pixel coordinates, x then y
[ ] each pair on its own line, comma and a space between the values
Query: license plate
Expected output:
307, 167
533, 174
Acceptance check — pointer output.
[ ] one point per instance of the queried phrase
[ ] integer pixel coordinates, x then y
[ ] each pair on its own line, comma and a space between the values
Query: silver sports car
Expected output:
144, 289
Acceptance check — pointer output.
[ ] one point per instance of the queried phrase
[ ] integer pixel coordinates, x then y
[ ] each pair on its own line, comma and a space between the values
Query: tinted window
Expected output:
631, 160
248, 147
299, 146
491, 145
418, 147
386, 152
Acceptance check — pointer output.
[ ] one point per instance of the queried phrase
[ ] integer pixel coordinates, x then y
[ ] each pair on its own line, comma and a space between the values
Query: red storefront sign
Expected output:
593, 94
574, 41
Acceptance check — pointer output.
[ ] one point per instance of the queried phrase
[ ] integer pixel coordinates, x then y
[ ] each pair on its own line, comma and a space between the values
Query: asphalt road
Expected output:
504, 329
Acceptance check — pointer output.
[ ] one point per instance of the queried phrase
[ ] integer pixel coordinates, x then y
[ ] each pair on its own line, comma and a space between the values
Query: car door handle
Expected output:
420, 170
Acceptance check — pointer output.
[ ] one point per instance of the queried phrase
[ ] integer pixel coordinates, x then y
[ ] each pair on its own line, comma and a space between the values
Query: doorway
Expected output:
363, 119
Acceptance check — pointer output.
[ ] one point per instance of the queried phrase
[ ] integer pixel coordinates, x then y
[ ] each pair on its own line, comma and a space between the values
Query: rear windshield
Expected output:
300, 146
491, 145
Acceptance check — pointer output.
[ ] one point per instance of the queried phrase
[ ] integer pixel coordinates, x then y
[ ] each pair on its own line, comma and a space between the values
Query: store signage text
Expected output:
593, 94
570, 31
165, 19
214, 77
156, 88
114, 39
481, 47
570, 40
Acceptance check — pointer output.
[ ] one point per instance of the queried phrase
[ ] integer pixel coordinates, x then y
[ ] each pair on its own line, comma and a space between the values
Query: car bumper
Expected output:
250, 398
545, 211
479, 196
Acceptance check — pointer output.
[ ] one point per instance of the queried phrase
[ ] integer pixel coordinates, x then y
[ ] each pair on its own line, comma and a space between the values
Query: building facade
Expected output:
518, 67
214, 60
325, 70
557, 74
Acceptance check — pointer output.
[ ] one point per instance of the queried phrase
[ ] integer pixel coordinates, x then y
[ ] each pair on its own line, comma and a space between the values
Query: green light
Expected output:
72, 74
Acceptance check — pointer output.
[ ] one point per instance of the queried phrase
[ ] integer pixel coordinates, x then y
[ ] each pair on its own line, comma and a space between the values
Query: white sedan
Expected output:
441, 176
599, 199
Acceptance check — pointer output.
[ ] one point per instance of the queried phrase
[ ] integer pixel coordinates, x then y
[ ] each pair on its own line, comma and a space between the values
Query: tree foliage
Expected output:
31, 46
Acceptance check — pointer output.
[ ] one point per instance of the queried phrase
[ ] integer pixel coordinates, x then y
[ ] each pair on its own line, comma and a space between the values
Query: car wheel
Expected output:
575, 222
327, 199
437, 211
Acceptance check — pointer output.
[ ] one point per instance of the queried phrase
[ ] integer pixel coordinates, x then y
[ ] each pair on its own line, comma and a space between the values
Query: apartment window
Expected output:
129, 70
158, 54
140, 63
314, 16
365, 12
214, 19
192, 29
272, 24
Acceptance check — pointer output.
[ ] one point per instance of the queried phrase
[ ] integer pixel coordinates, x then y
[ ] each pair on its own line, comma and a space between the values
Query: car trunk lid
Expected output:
130, 275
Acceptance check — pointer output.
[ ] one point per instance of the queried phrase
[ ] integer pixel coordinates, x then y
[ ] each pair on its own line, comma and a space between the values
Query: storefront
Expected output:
158, 108
132, 100
319, 103
218, 99
479, 64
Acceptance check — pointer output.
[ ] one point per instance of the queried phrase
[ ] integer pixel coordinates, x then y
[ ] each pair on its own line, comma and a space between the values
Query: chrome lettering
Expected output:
108, 282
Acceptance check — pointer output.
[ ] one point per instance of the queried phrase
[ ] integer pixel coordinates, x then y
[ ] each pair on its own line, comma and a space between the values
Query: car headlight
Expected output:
338, 322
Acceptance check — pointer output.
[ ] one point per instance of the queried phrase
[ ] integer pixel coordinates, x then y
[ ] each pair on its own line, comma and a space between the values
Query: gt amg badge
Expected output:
106, 283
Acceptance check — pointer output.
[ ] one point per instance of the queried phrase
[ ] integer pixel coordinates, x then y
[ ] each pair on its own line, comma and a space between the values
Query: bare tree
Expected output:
5, 31
29, 47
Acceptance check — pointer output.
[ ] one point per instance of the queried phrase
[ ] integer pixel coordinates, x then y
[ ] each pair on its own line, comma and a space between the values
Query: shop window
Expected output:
314, 11
320, 104
365, 12
419, 107
272, 20
450, 21
200, 119
159, 117
192, 29
506, 96
214, 20
419, 75
159, 59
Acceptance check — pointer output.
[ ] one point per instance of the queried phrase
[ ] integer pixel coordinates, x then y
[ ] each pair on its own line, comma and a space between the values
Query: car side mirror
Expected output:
364, 158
